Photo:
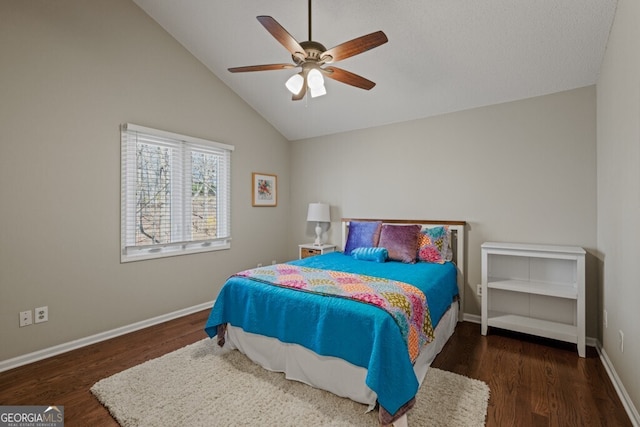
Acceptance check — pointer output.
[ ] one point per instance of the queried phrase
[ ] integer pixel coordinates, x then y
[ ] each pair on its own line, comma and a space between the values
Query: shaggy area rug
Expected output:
203, 385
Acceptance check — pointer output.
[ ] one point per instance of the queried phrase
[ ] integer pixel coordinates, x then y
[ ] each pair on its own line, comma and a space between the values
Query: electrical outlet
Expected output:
274, 262
42, 314
621, 339
606, 319
259, 264
479, 290
25, 318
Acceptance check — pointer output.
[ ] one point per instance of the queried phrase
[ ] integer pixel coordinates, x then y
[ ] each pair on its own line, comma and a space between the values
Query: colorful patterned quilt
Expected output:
404, 302
361, 334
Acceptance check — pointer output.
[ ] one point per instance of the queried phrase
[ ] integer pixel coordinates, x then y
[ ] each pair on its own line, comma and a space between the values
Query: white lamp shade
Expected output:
318, 212
315, 81
294, 84
314, 78
317, 91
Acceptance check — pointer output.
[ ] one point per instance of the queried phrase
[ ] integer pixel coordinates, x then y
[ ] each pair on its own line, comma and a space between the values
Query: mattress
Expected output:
330, 373
329, 327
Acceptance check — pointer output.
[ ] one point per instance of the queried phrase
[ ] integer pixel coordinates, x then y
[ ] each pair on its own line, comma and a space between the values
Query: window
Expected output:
175, 194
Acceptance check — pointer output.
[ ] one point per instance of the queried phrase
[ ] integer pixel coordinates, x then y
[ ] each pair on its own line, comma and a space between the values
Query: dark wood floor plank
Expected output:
533, 382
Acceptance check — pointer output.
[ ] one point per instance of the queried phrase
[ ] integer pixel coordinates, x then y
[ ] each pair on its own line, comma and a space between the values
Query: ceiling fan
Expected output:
311, 56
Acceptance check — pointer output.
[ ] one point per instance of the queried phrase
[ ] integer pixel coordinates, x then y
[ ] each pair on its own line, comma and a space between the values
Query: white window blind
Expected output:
175, 194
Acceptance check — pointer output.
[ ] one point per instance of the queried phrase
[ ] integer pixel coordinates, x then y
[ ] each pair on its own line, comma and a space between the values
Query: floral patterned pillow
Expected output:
433, 245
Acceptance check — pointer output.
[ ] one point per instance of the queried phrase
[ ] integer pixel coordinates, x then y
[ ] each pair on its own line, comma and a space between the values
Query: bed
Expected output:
332, 340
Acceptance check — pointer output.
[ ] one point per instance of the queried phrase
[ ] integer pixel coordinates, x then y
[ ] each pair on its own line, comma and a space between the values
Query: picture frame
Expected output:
264, 189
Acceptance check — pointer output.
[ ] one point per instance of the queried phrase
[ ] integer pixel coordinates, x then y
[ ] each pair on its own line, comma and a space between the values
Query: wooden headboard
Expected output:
458, 240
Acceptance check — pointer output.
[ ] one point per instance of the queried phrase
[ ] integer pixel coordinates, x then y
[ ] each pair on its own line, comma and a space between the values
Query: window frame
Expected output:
182, 146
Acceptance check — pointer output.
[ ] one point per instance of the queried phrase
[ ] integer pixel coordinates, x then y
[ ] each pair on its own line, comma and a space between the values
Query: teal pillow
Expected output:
370, 254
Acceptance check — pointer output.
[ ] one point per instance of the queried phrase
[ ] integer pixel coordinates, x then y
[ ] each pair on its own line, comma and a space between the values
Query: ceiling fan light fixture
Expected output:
315, 78
315, 81
317, 91
294, 84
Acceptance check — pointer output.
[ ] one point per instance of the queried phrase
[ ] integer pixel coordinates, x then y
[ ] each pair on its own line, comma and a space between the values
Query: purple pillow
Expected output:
401, 241
362, 234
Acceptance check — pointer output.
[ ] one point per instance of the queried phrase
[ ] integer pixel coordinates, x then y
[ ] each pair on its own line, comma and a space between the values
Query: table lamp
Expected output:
318, 212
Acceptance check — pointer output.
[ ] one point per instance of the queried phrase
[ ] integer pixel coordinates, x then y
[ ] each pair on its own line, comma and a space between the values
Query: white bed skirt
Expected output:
330, 373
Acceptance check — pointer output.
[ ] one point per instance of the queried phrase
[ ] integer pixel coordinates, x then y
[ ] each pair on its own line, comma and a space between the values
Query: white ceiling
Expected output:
442, 55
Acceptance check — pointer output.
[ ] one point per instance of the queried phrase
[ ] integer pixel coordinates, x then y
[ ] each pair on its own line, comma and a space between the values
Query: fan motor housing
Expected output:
312, 50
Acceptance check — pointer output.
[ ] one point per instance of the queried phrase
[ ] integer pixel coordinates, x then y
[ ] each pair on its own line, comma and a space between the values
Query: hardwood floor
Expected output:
533, 382
66, 379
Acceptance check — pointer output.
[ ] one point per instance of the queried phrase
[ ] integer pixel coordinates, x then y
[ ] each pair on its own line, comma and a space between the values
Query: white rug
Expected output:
203, 385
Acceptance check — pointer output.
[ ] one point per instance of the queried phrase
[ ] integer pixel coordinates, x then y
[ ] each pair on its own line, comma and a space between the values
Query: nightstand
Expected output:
307, 250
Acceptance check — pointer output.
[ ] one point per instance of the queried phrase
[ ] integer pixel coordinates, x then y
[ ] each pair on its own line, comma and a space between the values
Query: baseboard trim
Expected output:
473, 318
632, 411
15, 362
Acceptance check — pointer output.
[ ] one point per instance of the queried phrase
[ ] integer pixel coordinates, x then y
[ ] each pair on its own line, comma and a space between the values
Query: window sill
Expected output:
133, 254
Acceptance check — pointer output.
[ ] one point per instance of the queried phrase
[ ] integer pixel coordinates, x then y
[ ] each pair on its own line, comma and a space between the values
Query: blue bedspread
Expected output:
330, 326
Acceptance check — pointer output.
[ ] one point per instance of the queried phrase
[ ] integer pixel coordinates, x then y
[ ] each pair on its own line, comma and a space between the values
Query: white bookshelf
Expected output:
535, 289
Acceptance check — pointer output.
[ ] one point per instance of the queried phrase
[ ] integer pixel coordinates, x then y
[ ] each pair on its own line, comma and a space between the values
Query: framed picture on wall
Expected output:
265, 189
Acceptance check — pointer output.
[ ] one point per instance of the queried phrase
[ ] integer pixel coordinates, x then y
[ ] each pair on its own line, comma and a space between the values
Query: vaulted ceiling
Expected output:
442, 55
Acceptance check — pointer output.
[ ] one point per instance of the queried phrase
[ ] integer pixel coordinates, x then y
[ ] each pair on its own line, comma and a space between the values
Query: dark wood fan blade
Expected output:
354, 47
282, 36
266, 67
348, 77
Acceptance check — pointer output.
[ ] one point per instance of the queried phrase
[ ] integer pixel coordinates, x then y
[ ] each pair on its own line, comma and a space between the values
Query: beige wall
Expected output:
619, 194
71, 72
522, 171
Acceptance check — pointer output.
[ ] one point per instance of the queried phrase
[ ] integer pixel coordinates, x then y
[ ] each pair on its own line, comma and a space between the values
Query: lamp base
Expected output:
318, 241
